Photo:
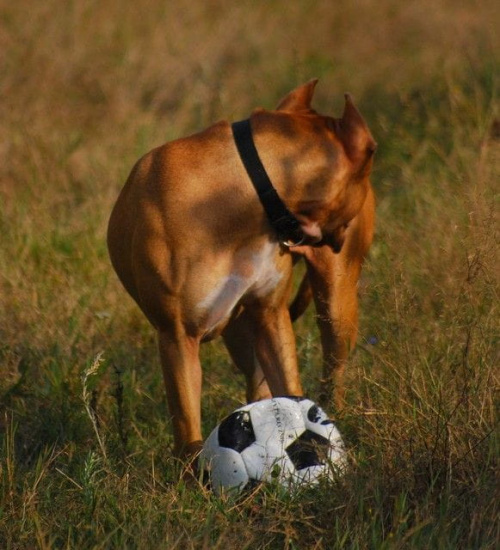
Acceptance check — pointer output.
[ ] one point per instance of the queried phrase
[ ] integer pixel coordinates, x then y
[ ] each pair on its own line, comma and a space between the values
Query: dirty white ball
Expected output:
286, 439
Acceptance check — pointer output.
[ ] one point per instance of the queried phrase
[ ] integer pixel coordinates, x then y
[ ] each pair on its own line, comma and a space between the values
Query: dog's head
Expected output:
323, 163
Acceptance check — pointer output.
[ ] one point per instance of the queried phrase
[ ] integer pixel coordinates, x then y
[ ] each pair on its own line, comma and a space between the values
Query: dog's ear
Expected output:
299, 99
355, 135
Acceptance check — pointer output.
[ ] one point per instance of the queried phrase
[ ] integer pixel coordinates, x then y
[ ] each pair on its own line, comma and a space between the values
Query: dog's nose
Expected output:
312, 232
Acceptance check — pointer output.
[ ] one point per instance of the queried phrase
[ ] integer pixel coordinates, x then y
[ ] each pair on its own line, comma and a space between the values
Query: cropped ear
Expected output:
299, 99
354, 134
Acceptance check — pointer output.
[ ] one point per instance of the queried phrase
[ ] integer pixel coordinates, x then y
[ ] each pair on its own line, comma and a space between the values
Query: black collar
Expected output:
281, 219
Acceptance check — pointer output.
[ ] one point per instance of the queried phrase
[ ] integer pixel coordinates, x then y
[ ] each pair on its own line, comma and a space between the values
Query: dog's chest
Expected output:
251, 275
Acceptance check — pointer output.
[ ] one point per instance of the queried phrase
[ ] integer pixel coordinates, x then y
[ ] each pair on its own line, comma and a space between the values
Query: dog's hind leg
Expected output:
262, 345
275, 349
240, 342
302, 299
182, 374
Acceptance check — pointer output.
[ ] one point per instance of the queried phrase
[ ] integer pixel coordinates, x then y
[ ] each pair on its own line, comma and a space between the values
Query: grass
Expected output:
85, 441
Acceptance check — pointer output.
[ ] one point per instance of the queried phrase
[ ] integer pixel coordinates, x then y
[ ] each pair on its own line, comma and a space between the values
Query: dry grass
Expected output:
87, 87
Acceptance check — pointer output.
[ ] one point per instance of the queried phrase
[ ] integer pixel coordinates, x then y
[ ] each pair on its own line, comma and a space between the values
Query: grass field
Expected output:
85, 442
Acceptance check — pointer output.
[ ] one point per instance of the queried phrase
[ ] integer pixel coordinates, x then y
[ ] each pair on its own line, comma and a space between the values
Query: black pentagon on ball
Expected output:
236, 431
309, 449
314, 414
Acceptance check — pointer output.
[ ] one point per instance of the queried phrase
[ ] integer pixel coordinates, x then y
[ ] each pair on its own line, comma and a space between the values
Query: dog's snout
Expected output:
311, 230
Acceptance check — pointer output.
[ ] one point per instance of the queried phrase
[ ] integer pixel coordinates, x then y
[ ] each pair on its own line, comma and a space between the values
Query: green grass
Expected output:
85, 440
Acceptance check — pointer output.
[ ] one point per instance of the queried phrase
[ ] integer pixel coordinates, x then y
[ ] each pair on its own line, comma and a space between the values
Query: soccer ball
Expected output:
286, 439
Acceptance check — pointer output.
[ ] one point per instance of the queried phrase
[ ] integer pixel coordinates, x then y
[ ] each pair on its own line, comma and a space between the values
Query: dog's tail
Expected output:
302, 299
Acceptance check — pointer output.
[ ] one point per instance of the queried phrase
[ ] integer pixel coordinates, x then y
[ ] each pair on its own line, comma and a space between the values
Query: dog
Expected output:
207, 228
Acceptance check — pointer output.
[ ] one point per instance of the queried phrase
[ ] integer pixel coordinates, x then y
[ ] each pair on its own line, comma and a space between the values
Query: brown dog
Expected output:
194, 243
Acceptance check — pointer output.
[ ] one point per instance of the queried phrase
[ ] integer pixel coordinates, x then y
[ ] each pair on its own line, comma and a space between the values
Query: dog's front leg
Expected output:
182, 374
334, 281
334, 286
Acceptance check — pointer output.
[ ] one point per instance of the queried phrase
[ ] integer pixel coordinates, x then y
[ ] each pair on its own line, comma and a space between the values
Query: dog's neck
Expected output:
304, 178
286, 225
